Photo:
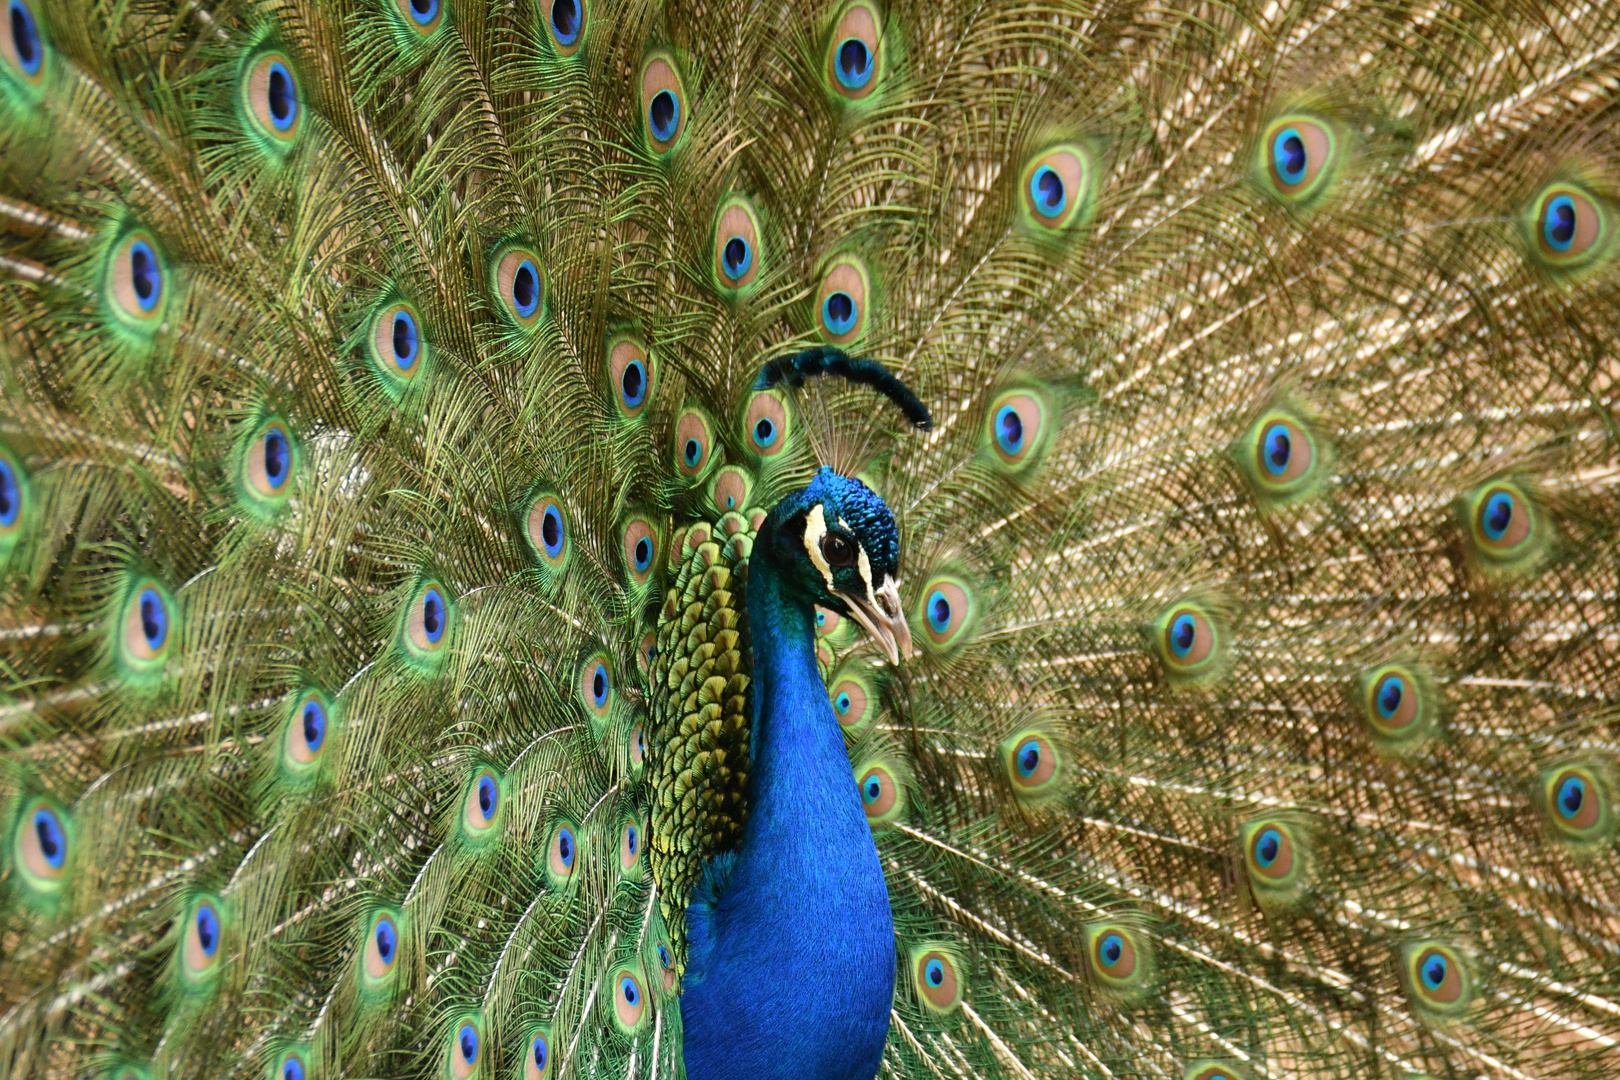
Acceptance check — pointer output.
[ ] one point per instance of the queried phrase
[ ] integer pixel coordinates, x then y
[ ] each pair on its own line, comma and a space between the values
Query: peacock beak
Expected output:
880, 614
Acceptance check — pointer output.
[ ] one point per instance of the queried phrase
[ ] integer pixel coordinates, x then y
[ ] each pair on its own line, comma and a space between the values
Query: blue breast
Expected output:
790, 969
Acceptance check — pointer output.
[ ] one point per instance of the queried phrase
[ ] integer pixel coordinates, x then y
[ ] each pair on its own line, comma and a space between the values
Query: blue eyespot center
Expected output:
934, 973
1183, 634
842, 703
407, 342
693, 453
838, 313
387, 939
292, 1069
539, 1046
154, 619
631, 992
1269, 847
1029, 758
10, 496
1009, 430
599, 685
144, 274
1434, 971
25, 38
275, 457
526, 289
283, 97
1277, 449
764, 433
565, 847
207, 923
663, 955
1390, 693
633, 383
52, 841
939, 612
1497, 515
1047, 193
871, 790
565, 22
314, 723
736, 257
424, 11
631, 839
467, 1040
1559, 228
643, 555
1571, 796
1288, 152
1112, 948
854, 66
433, 620
664, 116
551, 531
489, 797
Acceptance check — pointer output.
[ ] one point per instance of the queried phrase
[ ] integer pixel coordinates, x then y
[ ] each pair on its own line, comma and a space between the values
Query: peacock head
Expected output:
835, 544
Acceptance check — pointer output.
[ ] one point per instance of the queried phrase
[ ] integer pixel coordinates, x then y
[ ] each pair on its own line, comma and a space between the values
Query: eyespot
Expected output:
1398, 703
1569, 226
136, 279
1503, 524
666, 966
381, 953
1210, 1070
427, 620
465, 1047
22, 44
291, 1067
640, 549
629, 1001
396, 342
566, 21
270, 95
693, 442
562, 854
267, 463
1032, 762
881, 797
422, 16
306, 732
630, 376
41, 846
1269, 852
482, 805
938, 979
1297, 159
547, 530
1115, 957
537, 1059
520, 286
854, 53
149, 627
1017, 428
1437, 978
731, 489
637, 745
1576, 802
596, 686
630, 845
853, 702
828, 622
13, 500
1056, 189
841, 301
204, 931
947, 609
766, 424
1281, 458
1188, 641
663, 103
737, 253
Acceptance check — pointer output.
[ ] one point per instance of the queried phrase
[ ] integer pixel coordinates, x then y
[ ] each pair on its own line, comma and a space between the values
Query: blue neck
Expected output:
791, 966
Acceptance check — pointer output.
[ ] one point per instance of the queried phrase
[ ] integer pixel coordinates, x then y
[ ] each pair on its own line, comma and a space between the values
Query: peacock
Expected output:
853, 538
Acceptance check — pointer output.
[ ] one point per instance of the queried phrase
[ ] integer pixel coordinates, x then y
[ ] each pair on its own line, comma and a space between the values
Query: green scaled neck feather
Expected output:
450, 628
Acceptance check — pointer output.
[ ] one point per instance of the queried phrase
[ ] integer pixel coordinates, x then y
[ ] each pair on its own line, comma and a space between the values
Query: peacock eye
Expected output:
838, 550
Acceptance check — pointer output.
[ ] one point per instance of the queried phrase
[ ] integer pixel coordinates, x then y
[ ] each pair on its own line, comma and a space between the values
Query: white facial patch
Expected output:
865, 566
815, 527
